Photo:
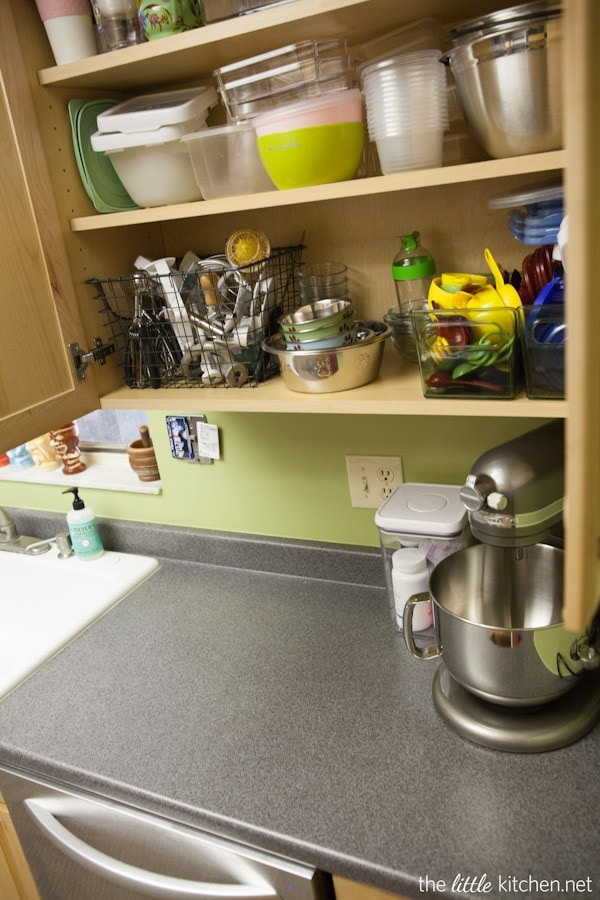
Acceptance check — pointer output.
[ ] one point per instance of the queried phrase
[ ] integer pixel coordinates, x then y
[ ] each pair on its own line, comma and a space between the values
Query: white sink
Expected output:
46, 601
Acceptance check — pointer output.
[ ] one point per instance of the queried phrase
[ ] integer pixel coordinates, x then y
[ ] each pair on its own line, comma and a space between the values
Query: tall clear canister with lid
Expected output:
429, 517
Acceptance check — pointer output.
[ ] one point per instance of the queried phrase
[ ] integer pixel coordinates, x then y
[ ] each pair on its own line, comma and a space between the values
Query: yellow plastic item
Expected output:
247, 246
509, 295
456, 280
497, 320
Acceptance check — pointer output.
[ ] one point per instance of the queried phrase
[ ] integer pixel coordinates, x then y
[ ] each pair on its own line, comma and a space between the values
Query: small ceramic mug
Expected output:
166, 17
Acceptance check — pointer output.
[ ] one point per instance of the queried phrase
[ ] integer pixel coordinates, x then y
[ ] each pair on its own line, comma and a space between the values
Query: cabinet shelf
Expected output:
397, 392
541, 163
195, 54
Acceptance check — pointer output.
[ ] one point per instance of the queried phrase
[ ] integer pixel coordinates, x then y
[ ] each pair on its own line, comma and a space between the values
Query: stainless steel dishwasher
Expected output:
80, 846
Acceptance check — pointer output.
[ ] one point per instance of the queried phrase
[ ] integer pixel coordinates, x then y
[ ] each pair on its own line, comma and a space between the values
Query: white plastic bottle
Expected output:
81, 521
410, 575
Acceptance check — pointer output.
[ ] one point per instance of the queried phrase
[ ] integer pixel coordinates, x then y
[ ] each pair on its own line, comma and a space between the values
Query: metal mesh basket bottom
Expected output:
200, 329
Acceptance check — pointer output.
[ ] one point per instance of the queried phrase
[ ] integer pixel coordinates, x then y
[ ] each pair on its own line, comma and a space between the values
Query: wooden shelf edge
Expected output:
397, 392
416, 179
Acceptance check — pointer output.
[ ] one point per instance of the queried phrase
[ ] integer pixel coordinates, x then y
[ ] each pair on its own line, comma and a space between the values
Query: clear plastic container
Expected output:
422, 34
226, 161
468, 353
295, 72
428, 517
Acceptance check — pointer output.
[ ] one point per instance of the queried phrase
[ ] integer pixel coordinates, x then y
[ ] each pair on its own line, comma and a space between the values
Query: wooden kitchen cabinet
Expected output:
356, 221
16, 880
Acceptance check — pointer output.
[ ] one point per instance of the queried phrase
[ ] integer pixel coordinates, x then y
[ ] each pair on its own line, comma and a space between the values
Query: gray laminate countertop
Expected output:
257, 688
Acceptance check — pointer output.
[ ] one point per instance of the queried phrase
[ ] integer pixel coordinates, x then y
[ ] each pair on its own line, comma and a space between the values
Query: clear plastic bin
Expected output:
306, 69
469, 353
226, 162
543, 334
430, 517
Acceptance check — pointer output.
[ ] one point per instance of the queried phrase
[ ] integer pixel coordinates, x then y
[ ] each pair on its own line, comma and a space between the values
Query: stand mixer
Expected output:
512, 677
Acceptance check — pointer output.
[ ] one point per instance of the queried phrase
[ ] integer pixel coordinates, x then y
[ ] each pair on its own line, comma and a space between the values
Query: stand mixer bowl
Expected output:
497, 616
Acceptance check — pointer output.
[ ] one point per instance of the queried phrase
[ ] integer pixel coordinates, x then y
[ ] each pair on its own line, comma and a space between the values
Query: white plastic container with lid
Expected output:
410, 575
151, 111
142, 138
428, 517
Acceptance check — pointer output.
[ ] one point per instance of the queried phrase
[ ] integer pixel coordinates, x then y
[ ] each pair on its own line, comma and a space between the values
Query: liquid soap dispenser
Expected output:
81, 521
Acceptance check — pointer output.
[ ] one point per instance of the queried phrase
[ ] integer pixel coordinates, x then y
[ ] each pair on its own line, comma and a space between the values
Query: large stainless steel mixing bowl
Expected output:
497, 614
509, 80
327, 371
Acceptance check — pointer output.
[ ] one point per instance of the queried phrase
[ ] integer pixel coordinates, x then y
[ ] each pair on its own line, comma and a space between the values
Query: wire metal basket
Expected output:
202, 326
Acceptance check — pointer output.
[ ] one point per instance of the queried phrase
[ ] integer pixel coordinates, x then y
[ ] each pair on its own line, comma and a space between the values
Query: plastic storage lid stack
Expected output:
407, 109
142, 137
294, 72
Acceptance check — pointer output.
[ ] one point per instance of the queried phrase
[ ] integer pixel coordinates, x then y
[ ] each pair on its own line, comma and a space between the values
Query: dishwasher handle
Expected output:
153, 883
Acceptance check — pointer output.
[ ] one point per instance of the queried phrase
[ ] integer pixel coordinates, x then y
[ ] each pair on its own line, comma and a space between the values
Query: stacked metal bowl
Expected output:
321, 348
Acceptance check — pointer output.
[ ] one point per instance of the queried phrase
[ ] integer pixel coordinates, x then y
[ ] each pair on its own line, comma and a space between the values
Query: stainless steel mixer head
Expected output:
515, 492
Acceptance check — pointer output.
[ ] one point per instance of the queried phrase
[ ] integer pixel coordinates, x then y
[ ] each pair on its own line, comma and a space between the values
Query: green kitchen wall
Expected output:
285, 475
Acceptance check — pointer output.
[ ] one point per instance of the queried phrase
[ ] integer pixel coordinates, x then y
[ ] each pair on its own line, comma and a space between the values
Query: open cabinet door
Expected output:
38, 305
582, 136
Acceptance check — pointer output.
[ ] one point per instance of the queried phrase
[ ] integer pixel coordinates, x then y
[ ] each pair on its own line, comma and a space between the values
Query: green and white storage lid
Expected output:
433, 510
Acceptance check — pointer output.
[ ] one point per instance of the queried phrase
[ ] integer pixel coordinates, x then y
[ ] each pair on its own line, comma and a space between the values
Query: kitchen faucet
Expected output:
11, 540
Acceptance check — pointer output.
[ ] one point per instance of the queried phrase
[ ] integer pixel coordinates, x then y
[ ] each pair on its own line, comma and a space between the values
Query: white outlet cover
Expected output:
373, 479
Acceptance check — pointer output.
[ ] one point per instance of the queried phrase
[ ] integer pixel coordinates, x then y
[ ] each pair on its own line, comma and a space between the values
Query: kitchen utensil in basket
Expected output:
202, 324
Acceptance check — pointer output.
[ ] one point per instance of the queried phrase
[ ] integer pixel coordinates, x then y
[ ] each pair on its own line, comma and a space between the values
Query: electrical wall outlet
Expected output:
372, 479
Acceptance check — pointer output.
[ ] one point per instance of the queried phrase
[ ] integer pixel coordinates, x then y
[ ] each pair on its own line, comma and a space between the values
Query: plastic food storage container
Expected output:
152, 111
226, 161
294, 72
142, 138
429, 517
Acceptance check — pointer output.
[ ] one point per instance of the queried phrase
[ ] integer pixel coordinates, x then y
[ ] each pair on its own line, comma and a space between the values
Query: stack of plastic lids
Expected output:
535, 215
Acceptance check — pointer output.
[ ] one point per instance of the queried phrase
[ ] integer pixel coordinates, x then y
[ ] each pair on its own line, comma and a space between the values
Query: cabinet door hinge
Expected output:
82, 358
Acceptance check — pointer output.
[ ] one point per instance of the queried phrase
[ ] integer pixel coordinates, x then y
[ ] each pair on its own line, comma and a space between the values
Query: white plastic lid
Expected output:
111, 143
153, 111
409, 560
426, 509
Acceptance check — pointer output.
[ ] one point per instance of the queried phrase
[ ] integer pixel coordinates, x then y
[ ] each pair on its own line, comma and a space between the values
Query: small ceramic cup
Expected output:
70, 29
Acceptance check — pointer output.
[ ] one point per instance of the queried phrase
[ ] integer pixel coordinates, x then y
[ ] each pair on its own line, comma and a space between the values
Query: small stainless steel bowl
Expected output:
320, 309
328, 371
